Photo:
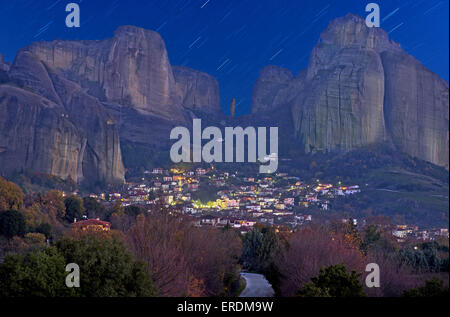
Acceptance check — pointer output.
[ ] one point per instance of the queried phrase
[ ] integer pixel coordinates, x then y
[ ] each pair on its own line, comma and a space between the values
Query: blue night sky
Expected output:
230, 39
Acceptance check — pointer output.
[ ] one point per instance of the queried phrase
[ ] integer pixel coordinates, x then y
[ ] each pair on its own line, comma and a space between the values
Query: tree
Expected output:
107, 269
93, 208
12, 223
185, 260
40, 273
45, 209
311, 290
252, 249
11, 196
424, 257
45, 229
157, 242
348, 230
334, 281
432, 288
74, 208
53, 203
310, 249
261, 246
120, 220
372, 236
33, 238
133, 211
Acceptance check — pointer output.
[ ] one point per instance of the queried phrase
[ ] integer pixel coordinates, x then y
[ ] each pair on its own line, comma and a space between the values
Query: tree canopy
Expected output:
74, 208
106, 270
334, 281
39, 273
11, 196
93, 208
432, 288
12, 223
261, 246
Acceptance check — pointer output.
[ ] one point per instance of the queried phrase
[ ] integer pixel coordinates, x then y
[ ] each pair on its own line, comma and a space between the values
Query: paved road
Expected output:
257, 286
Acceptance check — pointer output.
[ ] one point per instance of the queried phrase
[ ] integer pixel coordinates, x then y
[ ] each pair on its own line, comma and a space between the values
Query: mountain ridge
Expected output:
118, 98
356, 92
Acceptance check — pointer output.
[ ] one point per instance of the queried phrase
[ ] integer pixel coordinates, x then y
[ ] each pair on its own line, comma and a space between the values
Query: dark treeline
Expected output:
160, 252
309, 261
156, 253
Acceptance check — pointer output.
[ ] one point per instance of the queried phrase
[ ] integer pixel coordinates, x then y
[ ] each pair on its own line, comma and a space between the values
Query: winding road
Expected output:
257, 286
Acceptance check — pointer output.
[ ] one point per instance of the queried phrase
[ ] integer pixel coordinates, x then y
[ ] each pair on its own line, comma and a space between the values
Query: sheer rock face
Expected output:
357, 91
131, 69
271, 89
342, 106
35, 134
28, 69
78, 139
123, 87
3, 65
199, 90
102, 158
346, 33
416, 108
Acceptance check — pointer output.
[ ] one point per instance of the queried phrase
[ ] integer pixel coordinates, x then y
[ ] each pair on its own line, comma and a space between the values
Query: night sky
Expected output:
230, 39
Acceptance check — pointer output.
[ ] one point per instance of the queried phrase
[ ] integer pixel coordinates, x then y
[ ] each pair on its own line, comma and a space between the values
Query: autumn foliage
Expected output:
311, 249
185, 260
11, 196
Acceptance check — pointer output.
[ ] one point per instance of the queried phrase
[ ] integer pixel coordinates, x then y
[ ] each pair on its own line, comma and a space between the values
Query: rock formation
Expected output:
3, 65
78, 139
75, 108
233, 107
199, 91
35, 134
416, 108
63, 132
270, 88
131, 69
100, 91
357, 91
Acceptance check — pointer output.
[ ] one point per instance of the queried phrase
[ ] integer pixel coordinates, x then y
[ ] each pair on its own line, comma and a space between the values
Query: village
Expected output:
241, 201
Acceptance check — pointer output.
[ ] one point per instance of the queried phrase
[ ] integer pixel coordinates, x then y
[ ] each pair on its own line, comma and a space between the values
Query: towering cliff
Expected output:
98, 95
131, 69
77, 108
3, 65
50, 125
35, 134
416, 108
361, 88
271, 89
199, 91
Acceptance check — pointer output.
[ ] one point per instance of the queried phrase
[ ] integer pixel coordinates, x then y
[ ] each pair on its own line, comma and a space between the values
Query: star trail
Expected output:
231, 40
